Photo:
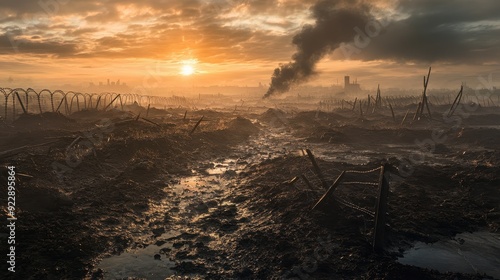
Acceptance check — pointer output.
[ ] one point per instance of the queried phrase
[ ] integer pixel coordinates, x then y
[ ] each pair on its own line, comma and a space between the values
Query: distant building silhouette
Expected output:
109, 87
351, 87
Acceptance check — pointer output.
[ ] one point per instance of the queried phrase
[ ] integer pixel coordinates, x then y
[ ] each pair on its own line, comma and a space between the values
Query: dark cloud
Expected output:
453, 31
458, 31
9, 45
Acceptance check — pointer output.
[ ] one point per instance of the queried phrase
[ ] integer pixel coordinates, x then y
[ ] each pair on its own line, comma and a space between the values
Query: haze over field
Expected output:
240, 42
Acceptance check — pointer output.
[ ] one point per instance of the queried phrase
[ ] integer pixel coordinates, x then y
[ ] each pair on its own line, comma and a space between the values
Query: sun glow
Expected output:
188, 67
187, 70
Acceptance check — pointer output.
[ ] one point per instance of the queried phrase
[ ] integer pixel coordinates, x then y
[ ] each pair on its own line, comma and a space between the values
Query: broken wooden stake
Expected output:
404, 119
456, 102
111, 102
317, 170
294, 179
152, 122
60, 103
329, 191
392, 112
147, 111
197, 124
20, 102
97, 103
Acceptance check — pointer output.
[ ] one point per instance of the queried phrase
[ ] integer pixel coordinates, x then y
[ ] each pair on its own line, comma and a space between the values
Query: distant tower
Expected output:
351, 88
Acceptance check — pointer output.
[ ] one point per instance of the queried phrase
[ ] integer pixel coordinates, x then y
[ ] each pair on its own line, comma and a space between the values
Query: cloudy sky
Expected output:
241, 42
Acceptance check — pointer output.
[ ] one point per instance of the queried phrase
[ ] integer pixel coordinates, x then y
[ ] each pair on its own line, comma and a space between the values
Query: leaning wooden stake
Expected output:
316, 169
404, 119
20, 102
97, 103
147, 111
424, 102
392, 112
197, 124
111, 102
151, 122
329, 191
380, 212
456, 102
60, 103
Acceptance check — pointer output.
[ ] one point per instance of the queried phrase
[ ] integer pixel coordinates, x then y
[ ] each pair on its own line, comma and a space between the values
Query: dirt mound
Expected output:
242, 125
274, 116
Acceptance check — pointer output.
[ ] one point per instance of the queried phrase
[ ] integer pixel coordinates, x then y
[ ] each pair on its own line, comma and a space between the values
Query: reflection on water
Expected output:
477, 252
141, 263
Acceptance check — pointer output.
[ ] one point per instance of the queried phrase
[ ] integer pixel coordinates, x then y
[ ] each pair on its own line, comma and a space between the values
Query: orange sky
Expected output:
235, 42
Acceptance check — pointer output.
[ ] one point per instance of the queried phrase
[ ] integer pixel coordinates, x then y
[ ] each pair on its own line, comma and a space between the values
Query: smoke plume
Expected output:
335, 23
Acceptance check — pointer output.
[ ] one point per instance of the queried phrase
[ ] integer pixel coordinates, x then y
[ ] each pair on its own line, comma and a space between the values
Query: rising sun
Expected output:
187, 70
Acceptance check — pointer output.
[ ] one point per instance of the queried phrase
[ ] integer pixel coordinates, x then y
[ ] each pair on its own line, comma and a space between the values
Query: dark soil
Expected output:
99, 186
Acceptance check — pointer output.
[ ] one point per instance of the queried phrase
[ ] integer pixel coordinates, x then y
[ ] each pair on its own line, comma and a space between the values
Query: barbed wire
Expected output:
364, 172
360, 183
354, 206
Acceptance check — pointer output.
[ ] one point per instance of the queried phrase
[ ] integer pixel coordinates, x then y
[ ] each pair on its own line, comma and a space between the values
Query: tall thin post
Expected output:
380, 212
316, 169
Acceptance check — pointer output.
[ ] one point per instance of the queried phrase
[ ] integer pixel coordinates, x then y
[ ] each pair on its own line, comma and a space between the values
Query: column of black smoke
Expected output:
335, 23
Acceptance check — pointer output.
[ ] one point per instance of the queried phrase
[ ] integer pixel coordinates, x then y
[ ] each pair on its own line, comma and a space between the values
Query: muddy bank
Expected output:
89, 191
217, 202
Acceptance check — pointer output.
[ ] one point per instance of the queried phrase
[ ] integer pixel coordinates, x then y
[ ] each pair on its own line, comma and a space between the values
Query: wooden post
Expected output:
329, 191
404, 119
380, 213
456, 102
147, 110
97, 103
316, 169
354, 105
392, 112
20, 102
111, 102
424, 98
197, 124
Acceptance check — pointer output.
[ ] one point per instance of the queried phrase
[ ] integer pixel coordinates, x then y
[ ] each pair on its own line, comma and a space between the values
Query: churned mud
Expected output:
108, 195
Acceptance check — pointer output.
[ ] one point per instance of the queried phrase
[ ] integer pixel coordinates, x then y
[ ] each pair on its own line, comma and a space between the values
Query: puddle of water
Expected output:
477, 252
139, 263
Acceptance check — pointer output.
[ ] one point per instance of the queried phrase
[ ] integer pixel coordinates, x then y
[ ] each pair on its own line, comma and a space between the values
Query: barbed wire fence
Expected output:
29, 101
364, 191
